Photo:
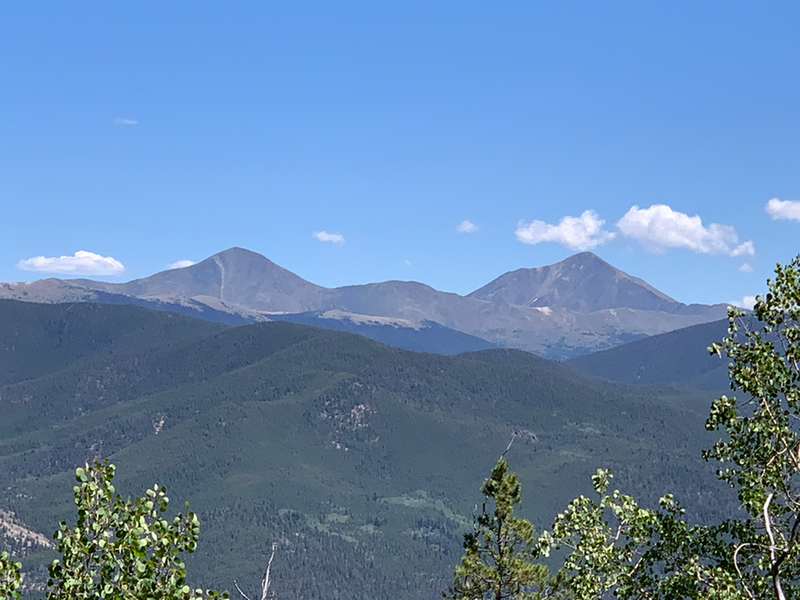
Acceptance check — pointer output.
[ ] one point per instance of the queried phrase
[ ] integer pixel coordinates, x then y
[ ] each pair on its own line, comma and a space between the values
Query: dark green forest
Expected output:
361, 461
676, 358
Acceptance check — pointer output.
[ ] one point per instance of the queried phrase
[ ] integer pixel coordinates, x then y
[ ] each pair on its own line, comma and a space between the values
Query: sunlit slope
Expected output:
362, 461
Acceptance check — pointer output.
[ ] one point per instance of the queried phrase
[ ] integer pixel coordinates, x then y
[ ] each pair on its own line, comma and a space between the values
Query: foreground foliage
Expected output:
119, 549
10, 579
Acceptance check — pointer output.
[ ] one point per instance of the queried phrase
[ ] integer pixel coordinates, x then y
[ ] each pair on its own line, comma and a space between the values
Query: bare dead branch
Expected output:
513, 437
776, 578
265, 582
245, 596
739, 572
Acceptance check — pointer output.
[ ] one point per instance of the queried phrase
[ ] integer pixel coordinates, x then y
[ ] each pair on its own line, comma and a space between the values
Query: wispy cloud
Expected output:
576, 233
747, 302
180, 264
333, 238
466, 227
659, 227
125, 121
81, 263
746, 268
783, 209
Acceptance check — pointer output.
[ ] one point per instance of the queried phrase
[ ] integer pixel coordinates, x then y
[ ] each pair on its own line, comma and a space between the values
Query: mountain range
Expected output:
578, 305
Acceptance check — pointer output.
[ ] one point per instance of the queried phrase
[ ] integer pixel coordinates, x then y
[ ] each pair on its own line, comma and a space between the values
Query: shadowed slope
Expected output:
679, 357
36, 339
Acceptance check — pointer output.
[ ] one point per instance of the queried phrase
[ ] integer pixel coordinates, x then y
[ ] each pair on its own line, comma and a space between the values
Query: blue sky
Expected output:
350, 141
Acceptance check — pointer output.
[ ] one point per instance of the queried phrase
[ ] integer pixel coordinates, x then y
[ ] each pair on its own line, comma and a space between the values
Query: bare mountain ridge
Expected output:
238, 276
583, 283
57, 291
578, 305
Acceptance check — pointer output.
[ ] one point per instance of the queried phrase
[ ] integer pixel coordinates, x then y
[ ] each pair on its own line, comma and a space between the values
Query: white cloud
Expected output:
746, 268
747, 302
466, 227
783, 209
407, 262
82, 263
180, 264
576, 233
125, 121
658, 228
744, 249
333, 238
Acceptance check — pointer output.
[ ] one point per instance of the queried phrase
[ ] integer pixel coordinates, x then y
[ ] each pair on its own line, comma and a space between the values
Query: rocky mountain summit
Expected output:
578, 305
583, 283
236, 276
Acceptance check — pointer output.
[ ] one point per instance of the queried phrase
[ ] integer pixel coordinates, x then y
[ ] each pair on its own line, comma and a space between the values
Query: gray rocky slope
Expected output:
578, 305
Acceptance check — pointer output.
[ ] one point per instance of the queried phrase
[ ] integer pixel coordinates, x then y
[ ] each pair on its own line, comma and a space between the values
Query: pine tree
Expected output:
498, 563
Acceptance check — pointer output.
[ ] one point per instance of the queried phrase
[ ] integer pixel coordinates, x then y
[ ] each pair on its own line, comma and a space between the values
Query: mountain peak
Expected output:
584, 258
236, 276
235, 252
583, 282
585, 255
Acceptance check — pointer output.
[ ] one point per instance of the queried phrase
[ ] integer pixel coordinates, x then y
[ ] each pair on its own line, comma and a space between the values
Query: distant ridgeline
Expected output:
579, 305
361, 461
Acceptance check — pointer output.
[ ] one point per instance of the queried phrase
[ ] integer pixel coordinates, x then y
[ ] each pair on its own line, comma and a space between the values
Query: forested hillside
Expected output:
360, 460
678, 357
36, 339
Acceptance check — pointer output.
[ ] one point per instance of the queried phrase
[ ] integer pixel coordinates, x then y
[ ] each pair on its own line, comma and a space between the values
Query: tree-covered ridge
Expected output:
677, 358
358, 458
36, 339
